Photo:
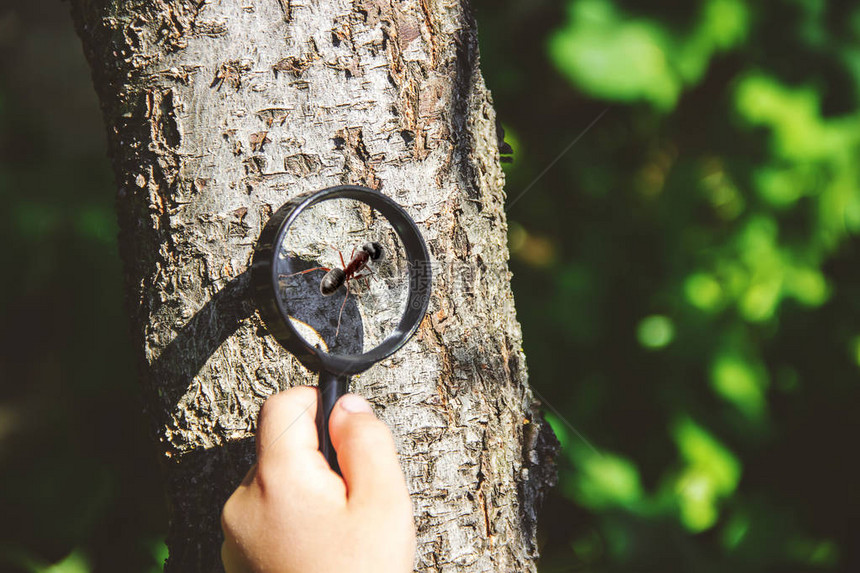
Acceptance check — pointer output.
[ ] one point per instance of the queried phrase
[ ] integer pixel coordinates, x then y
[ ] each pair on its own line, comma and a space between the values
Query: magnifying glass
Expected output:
342, 280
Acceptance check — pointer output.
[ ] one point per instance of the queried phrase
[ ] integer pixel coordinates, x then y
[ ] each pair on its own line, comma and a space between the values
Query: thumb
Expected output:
366, 453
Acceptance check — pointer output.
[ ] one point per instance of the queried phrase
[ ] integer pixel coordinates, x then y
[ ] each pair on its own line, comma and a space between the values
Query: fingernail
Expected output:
355, 404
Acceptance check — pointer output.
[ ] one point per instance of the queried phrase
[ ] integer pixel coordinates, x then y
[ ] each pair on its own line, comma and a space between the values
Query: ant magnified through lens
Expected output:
371, 281
337, 277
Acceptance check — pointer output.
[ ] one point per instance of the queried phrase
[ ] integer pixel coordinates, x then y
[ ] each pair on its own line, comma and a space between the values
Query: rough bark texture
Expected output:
217, 112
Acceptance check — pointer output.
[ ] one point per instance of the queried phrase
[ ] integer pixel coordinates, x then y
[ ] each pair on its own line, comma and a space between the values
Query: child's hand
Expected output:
293, 514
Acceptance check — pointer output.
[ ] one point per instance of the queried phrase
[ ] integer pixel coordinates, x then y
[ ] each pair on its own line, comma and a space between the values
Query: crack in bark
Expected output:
359, 165
466, 42
286, 9
230, 73
540, 451
295, 65
161, 113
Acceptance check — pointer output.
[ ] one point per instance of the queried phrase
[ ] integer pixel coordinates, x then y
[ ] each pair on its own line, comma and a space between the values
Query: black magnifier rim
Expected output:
264, 280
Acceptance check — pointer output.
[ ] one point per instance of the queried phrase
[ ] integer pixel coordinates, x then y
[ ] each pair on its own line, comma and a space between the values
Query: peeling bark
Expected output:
219, 111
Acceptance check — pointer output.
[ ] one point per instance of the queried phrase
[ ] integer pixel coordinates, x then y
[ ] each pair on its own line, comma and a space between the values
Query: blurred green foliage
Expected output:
79, 485
615, 56
688, 275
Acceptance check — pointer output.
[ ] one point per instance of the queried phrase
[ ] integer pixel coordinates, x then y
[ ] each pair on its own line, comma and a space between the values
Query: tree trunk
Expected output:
219, 111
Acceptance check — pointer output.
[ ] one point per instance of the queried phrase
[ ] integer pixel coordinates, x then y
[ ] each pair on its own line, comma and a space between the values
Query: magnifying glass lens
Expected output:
342, 276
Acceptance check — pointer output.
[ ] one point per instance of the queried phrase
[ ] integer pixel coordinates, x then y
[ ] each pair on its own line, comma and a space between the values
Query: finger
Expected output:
232, 522
366, 453
286, 427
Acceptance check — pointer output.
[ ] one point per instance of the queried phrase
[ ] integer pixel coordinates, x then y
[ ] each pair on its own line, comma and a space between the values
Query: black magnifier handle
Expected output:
331, 387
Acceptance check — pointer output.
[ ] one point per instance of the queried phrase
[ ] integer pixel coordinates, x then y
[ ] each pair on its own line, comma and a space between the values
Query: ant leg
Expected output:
342, 264
365, 277
340, 314
326, 269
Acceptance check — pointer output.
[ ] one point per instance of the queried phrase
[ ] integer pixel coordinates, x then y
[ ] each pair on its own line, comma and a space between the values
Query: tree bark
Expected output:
217, 112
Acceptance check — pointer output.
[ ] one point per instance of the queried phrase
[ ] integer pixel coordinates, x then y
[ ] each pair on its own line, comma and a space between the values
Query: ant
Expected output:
335, 278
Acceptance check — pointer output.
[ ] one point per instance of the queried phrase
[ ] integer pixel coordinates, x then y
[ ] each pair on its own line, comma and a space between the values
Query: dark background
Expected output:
687, 274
